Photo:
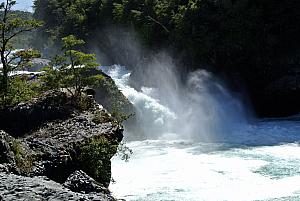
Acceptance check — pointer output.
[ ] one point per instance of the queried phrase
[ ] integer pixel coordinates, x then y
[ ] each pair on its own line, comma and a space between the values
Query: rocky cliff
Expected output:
53, 149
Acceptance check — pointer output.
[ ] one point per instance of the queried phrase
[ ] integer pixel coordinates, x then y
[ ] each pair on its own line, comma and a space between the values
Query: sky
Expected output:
25, 5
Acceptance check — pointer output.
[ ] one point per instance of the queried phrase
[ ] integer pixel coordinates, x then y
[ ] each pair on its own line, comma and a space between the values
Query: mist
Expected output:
196, 107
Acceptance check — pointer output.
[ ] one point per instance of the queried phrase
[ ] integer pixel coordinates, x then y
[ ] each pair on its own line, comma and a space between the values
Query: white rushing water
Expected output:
200, 146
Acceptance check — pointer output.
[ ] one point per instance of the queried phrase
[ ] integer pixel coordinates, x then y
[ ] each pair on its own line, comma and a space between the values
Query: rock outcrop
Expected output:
79, 181
56, 150
14, 187
25, 117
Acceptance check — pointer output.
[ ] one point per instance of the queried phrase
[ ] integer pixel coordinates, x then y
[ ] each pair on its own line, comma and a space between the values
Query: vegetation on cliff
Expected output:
49, 123
71, 69
12, 26
23, 40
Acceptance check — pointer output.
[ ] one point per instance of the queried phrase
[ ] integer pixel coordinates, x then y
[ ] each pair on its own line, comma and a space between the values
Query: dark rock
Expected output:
52, 136
108, 94
6, 154
79, 181
58, 143
25, 117
90, 92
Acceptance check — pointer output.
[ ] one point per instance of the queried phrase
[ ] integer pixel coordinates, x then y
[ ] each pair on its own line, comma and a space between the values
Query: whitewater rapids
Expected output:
248, 161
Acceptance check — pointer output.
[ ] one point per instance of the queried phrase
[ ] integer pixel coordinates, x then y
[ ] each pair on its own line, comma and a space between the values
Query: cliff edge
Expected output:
53, 149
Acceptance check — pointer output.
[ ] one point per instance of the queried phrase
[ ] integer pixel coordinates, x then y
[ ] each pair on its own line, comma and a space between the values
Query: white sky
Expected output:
25, 5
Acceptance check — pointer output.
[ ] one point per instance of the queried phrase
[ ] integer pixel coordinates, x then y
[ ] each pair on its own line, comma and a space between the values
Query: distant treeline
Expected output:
255, 40
25, 39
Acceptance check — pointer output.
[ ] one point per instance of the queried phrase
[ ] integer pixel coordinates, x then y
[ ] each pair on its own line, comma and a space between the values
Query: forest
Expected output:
255, 43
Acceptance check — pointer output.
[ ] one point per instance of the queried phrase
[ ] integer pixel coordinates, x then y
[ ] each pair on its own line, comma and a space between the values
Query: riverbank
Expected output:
52, 149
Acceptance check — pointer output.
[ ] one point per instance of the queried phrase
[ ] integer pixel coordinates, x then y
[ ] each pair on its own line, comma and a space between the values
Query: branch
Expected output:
6, 56
11, 59
157, 22
18, 32
18, 64
4, 19
70, 91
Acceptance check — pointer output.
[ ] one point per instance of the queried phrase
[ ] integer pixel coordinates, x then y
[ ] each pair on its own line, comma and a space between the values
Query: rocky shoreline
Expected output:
51, 149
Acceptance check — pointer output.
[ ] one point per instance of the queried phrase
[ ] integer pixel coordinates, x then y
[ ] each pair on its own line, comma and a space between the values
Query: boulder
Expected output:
79, 181
14, 188
58, 144
26, 117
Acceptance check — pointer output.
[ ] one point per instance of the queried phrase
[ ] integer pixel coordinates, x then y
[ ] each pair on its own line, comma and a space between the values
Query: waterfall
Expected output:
199, 109
199, 143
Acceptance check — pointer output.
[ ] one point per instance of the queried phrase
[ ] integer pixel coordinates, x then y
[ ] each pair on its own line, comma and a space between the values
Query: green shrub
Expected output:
19, 90
70, 70
24, 160
95, 158
124, 151
101, 117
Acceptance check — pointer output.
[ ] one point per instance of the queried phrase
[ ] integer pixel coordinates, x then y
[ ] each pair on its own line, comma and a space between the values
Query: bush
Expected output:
24, 160
101, 117
95, 159
70, 71
19, 90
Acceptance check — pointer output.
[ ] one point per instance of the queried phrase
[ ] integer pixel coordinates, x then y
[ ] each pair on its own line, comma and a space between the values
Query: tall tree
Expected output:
11, 27
73, 70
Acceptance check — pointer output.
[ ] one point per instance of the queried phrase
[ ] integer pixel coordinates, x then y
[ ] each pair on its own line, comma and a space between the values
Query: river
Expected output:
215, 154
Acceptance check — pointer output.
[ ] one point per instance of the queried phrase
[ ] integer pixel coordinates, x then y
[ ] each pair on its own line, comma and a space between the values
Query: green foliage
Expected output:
95, 159
84, 102
253, 38
124, 151
24, 160
101, 117
12, 26
70, 42
23, 58
19, 90
71, 70
24, 39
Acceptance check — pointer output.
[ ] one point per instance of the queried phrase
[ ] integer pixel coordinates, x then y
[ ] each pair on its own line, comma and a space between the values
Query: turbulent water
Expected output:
201, 145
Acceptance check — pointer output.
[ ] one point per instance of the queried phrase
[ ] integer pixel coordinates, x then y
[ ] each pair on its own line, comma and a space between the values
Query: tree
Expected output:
73, 70
11, 27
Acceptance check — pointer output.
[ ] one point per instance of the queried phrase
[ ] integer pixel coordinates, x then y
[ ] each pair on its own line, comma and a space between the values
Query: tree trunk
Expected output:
4, 80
